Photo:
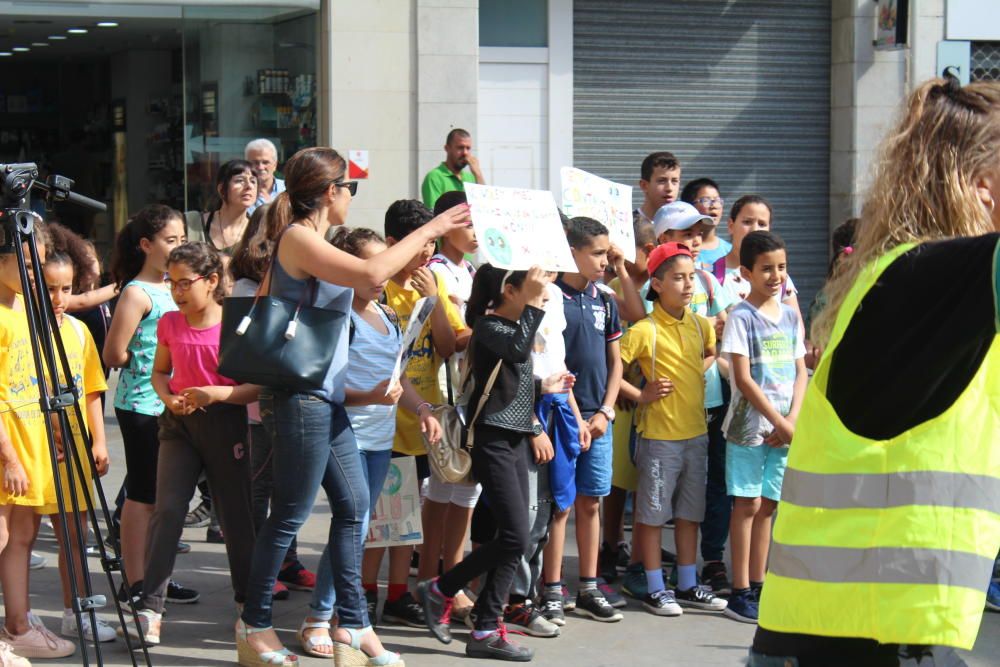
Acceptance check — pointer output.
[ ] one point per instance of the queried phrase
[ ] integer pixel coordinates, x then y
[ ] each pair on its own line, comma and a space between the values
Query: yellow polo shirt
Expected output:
680, 354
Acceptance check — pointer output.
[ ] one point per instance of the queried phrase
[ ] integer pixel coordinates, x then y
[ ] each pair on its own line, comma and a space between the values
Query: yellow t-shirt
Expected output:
88, 376
424, 363
680, 353
19, 410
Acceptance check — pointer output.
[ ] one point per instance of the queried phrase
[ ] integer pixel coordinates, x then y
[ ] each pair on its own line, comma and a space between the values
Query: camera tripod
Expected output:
58, 394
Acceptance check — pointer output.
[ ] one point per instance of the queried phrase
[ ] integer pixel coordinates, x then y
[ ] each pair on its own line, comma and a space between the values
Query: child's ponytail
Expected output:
487, 290
128, 258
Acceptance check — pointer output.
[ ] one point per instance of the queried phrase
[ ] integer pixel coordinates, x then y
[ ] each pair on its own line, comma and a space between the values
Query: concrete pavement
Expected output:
202, 633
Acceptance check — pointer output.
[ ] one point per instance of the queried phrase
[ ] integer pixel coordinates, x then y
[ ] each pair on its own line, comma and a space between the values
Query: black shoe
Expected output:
437, 610
371, 601
214, 536
607, 563
714, 575
624, 556
667, 556
414, 563
699, 597
404, 611
498, 647
183, 548
178, 594
113, 543
593, 603
135, 590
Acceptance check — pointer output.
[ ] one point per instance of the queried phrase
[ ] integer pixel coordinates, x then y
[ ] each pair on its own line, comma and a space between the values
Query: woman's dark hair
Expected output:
253, 251
691, 190
66, 243
487, 290
352, 241
226, 173
127, 257
308, 175
580, 231
748, 199
204, 260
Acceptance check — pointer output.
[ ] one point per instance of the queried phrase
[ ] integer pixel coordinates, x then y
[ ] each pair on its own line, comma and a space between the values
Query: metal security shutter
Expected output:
738, 90
985, 61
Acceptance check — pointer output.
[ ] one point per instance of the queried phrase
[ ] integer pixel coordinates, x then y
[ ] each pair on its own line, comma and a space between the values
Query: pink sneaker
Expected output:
38, 642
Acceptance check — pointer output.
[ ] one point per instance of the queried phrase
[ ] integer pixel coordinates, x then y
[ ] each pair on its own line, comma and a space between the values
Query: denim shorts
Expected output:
755, 472
593, 467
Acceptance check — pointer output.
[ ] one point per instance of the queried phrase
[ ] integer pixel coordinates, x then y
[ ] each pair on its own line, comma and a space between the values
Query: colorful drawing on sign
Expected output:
519, 228
396, 516
610, 203
422, 310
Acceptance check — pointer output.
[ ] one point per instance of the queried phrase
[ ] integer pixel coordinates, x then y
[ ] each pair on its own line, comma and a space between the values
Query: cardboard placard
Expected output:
395, 518
519, 228
610, 203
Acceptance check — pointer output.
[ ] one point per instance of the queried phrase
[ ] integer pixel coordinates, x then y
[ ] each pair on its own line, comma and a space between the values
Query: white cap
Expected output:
678, 215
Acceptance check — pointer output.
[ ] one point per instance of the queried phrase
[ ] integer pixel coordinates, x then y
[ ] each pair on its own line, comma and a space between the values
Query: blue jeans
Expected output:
313, 445
376, 467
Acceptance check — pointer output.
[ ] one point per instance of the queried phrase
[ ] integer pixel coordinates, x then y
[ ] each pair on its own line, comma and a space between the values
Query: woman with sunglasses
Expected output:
313, 441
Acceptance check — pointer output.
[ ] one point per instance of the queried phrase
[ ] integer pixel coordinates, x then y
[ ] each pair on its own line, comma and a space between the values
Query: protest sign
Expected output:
396, 516
610, 203
422, 310
519, 228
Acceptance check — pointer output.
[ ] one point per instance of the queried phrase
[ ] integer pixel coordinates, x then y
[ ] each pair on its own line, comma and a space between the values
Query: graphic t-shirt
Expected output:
772, 348
424, 362
592, 321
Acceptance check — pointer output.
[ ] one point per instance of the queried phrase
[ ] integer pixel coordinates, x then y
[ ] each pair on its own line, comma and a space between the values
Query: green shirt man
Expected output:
451, 174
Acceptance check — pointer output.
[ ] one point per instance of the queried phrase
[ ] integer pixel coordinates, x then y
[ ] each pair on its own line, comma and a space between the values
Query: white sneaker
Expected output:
105, 633
37, 561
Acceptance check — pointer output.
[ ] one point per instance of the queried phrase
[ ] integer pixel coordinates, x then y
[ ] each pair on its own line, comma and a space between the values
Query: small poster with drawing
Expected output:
396, 517
610, 203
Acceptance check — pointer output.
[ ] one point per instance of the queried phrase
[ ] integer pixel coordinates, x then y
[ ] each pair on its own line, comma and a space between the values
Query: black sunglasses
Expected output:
352, 186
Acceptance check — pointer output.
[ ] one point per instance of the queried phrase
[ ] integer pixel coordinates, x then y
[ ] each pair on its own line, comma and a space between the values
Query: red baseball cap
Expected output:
660, 254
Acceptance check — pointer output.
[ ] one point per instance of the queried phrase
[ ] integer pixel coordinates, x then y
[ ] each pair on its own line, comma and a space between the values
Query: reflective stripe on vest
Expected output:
903, 531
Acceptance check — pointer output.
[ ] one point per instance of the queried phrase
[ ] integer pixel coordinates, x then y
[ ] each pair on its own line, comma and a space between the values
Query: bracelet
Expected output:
425, 404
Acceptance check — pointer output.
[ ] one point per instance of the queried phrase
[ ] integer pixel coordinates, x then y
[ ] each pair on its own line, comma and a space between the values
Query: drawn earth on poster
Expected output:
396, 517
607, 202
519, 228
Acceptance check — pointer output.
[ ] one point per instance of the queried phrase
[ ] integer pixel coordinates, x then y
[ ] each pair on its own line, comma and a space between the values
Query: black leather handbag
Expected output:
274, 342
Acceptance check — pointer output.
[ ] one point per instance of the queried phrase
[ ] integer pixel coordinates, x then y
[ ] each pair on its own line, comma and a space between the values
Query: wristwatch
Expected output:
536, 429
607, 411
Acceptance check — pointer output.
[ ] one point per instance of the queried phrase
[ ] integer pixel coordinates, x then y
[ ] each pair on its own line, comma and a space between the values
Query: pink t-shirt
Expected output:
194, 353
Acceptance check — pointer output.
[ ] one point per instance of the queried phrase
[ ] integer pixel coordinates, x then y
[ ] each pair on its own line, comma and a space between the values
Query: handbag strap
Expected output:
482, 401
269, 276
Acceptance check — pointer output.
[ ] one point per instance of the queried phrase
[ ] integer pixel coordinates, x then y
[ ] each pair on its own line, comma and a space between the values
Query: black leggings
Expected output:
499, 463
140, 437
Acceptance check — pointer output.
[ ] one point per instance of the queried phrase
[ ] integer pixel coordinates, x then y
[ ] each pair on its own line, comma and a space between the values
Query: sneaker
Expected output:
404, 611
757, 591
592, 603
135, 590
414, 563
607, 562
296, 577
38, 642
37, 562
150, 623
742, 607
437, 610
527, 619
183, 548
113, 543
199, 517
105, 633
993, 596
180, 595
668, 557
371, 601
714, 575
634, 581
662, 603
497, 646
569, 604
700, 597
613, 597
624, 556
551, 607
279, 591
214, 536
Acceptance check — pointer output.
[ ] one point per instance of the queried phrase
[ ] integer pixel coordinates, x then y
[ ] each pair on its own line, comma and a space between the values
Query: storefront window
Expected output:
248, 73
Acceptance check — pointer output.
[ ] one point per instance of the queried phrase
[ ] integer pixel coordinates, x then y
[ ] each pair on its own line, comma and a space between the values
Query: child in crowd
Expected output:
703, 194
763, 339
204, 427
672, 347
592, 355
449, 262
370, 403
660, 182
27, 471
451, 504
615, 551
138, 266
681, 222
502, 340
88, 377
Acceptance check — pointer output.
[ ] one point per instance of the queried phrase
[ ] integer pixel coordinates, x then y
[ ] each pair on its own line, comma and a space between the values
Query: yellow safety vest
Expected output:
892, 540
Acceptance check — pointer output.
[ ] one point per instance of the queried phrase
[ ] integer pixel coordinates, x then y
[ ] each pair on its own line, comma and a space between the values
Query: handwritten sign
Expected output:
396, 516
422, 310
610, 203
518, 228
